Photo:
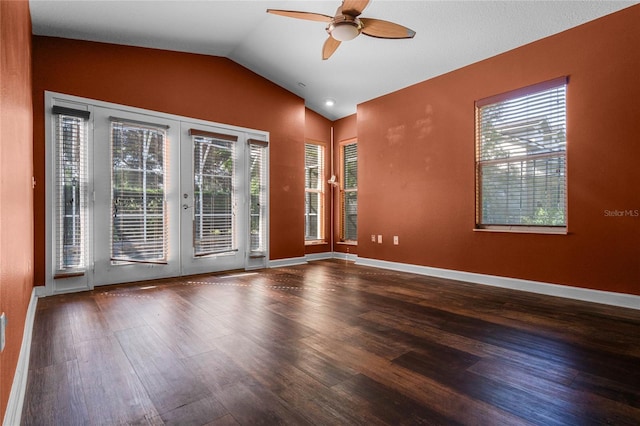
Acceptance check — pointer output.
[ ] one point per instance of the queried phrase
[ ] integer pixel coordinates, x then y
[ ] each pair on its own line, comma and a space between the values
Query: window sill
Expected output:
63, 275
546, 230
315, 243
347, 243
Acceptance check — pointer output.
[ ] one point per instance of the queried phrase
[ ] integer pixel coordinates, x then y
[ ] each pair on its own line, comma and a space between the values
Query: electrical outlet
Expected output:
373, 238
395, 240
3, 327
379, 239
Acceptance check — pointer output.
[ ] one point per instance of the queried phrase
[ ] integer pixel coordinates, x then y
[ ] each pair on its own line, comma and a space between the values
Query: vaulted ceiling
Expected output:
449, 35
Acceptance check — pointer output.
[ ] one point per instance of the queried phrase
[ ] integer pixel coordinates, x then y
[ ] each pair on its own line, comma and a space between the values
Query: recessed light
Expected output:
329, 102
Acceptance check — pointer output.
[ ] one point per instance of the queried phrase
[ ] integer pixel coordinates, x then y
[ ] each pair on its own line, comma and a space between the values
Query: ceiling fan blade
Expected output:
329, 47
385, 29
354, 7
309, 16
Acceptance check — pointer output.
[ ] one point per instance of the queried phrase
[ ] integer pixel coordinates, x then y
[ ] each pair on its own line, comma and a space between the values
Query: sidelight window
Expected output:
70, 217
258, 173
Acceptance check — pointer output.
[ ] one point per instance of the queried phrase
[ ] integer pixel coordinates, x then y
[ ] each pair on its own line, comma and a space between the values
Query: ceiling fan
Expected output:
346, 25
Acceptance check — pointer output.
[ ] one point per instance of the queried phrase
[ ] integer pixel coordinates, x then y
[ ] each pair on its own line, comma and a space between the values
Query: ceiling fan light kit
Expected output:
345, 28
346, 25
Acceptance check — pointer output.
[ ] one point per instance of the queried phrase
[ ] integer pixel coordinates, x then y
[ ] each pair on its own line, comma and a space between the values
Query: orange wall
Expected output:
343, 129
318, 129
16, 194
199, 86
416, 164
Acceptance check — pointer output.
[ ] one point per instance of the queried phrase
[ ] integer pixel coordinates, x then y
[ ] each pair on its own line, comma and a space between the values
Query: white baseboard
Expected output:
331, 255
291, 261
345, 256
13, 414
577, 293
318, 256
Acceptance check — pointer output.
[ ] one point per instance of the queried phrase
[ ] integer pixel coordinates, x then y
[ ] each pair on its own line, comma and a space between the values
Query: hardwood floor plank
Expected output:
57, 396
423, 389
200, 412
163, 374
253, 405
227, 420
317, 365
389, 406
113, 392
590, 407
116, 306
505, 396
216, 370
87, 321
270, 369
52, 330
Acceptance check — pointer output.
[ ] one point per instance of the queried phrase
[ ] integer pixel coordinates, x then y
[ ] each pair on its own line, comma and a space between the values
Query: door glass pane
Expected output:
258, 201
139, 222
71, 197
213, 210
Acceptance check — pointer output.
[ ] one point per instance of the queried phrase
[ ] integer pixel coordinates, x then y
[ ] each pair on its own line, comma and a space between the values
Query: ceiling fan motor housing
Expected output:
344, 27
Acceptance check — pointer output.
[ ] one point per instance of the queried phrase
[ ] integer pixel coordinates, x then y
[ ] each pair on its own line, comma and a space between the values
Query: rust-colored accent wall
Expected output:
16, 194
318, 129
204, 87
416, 164
343, 129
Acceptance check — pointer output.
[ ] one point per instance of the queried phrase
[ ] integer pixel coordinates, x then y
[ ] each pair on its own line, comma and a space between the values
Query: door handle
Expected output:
185, 206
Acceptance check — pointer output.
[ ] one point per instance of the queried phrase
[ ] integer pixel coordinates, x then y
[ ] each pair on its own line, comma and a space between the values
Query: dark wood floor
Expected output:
330, 343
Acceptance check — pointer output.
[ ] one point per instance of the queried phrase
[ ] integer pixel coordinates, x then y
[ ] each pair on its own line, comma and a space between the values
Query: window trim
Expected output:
322, 192
502, 97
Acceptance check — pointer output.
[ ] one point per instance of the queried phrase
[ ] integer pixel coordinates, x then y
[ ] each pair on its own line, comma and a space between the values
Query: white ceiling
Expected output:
450, 35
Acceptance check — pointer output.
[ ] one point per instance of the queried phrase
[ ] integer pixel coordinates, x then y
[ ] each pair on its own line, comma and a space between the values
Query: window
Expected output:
349, 192
314, 192
70, 222
521, 158
138, 217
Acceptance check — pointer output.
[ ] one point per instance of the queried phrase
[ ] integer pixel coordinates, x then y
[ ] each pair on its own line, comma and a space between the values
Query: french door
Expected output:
164, 197
136, 197
213, 211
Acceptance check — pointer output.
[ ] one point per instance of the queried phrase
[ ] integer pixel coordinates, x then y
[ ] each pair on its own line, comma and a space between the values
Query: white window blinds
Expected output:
71, 216
138, 219
521, 157
258, 201
314, 191
349, 193
214, 193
